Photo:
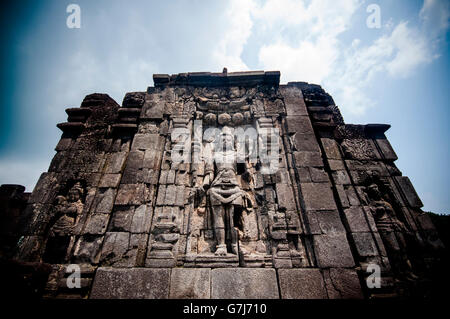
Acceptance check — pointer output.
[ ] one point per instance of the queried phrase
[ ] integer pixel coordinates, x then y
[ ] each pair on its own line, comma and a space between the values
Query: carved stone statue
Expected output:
223, 190
391, 230
68, 211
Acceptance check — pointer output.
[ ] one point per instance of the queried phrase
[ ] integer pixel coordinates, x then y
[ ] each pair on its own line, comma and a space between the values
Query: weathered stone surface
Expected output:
304, 158
341, 177
43, 193
97, 224
409, 191
104, 200
115, 162
365, 244
130, 194
142, 218
293, 100
318, 196
190, 283
325, 222
305, 142
115, 247
285, 196
301, 284
299, 125
87, 249
342, 284
244, 283
356, 219
332, 250
110, 180
331, 148
134, 283
145, 142
386, 149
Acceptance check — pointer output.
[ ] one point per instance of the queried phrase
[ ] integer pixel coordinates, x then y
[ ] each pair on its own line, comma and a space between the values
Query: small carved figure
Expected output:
68, 211
391, 230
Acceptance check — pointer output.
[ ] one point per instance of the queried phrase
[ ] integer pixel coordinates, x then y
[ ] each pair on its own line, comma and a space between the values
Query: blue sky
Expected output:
396, 74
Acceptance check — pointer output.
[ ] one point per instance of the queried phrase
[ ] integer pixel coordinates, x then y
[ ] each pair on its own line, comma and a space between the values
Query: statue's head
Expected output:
227, 138
373, 191
76, 192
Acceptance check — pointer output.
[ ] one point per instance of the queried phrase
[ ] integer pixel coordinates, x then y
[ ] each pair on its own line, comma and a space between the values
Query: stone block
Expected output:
305, 142
318, 196
356, 219
301, 284
342, 284
142, 218
190, 283
342, 196
171, 195
130, 194
115, 244
134, 283
306, 159
244, 283
45, 188
293, 100
332, 250
121, 219
135, 160
386, 149
110, 180
409, 191
341, 177
285, 196
64, 144
87, 249
153, 108
336, 164
97, 224
365, 244
299, 124
145, 142
331, 148
115, 162
327, 222
318, 175
104, 200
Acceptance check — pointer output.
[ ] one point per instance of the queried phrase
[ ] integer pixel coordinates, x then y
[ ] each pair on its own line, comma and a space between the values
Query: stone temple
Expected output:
220, 185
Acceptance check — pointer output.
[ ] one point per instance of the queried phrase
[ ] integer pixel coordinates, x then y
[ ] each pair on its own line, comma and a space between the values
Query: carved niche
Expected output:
229, 217
68, 209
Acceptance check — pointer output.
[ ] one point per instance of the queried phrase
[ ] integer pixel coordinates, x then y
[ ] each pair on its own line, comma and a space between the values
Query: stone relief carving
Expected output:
392, 232
223, 190
358, 149
68, 211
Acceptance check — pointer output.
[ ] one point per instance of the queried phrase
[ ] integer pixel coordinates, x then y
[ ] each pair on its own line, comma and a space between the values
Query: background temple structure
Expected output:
137, 198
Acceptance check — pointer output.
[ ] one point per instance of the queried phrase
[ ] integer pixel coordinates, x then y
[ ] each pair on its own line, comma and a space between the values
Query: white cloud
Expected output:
310, 61
229, 49
317, 54
312, 54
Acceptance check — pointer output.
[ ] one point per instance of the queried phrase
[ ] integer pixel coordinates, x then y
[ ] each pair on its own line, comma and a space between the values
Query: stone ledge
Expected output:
249, 78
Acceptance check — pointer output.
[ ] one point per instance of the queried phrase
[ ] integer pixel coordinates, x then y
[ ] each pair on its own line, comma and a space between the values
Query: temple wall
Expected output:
125, 196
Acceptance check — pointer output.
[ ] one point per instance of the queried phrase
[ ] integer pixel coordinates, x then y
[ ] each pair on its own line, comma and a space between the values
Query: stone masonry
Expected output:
137, 197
